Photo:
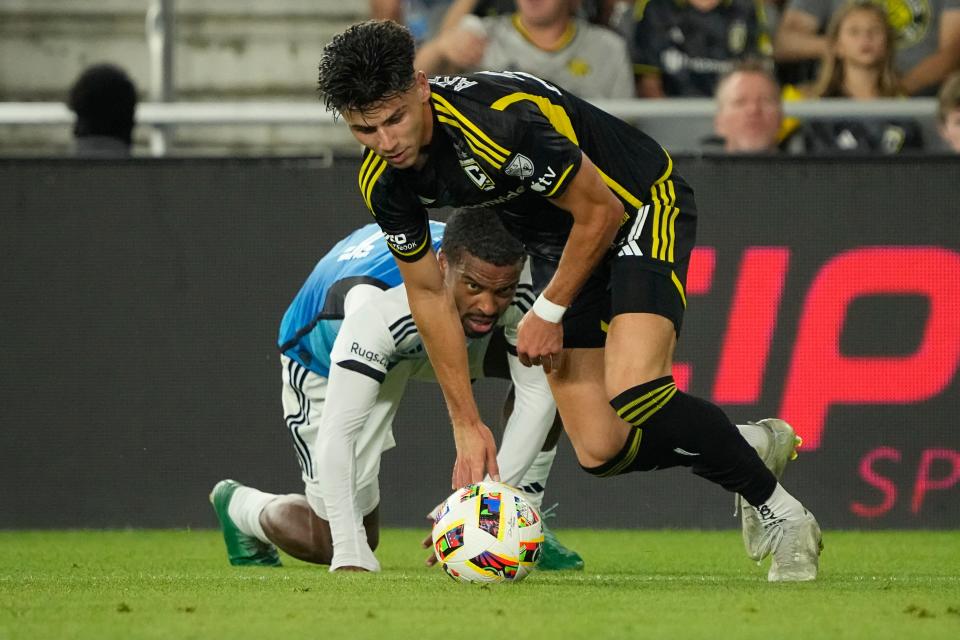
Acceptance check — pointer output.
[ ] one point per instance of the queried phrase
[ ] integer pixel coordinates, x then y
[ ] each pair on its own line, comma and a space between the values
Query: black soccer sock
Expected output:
676, 429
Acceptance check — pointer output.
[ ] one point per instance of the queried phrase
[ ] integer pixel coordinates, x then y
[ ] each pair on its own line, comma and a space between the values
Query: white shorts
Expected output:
304, 396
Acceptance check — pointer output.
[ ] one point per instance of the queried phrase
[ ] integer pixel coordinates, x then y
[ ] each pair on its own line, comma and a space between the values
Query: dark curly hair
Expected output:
480, 233
365, 65
104, 99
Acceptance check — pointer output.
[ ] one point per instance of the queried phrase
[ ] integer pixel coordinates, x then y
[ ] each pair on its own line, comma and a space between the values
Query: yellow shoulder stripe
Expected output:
373, 174
556, 114
478, 147
620, 190
443, 106
563, 176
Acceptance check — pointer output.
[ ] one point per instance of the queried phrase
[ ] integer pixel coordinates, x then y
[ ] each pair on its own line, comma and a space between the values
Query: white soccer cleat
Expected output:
796, 544
781, 447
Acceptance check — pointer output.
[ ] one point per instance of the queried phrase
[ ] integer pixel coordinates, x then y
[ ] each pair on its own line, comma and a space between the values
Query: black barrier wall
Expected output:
141, 302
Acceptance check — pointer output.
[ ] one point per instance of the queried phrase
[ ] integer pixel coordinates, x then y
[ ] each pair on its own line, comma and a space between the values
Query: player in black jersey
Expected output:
609, 226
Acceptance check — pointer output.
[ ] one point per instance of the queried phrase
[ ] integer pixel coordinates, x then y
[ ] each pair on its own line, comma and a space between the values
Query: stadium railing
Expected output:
676, 123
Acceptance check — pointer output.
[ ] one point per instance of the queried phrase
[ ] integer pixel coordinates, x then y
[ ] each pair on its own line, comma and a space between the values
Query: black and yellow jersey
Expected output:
509, 141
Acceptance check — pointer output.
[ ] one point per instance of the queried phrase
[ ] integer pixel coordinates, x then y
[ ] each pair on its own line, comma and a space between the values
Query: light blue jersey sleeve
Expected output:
314, 318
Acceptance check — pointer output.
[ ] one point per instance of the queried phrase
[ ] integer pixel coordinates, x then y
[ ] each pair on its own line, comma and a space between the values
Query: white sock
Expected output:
244, 509
778, 507
756, 436
534, 481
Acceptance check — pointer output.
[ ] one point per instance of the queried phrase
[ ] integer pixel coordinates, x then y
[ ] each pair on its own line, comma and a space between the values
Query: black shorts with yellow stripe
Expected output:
646, 271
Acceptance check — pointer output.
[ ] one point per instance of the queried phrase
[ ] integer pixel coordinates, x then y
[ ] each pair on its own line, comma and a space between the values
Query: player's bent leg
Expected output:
293, 526
238, 508
593, 428
776, 443
675, 428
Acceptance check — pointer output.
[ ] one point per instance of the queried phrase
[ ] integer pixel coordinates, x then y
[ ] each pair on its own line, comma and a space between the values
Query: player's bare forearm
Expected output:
930, 71
797, 38
439, 325
438, 322
597, 214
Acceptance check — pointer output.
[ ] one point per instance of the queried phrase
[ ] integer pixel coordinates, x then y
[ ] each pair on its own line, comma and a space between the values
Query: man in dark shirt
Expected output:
681, 48
609, 226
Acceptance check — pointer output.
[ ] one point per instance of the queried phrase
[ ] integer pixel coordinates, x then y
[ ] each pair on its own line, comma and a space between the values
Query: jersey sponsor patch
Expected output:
369, 354
520, 167
544, 181
476, 174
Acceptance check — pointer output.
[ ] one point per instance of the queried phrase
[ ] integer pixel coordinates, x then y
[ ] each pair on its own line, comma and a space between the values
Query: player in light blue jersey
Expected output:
312, 321
349, 346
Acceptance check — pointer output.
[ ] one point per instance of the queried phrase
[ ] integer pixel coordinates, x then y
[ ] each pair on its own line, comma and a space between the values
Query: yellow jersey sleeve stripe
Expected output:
368, 191
563, 176
365, 183
446, 107
556, 114
655, 222
668, 170
365, 169
630, 456
672, 228
679, 285
619, 190
420, 246
478, 147
665, 222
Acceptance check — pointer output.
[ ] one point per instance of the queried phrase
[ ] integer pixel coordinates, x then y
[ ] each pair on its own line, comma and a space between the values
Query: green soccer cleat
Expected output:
242, 550
553, 555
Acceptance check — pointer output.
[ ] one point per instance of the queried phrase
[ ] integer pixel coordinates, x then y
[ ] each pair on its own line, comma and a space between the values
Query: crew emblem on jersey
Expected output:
520, 167
476, 174
737, 37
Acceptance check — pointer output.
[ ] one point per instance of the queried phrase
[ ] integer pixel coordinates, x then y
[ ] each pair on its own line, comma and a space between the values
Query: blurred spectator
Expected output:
948, 111
427, 18
104, 99
927, 37
680, 48
749, 110
859, 65
596, 11
542, 38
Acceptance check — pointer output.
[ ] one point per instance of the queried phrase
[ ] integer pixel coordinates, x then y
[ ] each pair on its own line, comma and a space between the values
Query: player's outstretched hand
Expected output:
539, 342
476, 455
428, 544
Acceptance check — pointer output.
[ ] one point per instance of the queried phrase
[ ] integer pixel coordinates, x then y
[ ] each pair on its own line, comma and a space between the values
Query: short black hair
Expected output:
104, 99
480, 233
365, 65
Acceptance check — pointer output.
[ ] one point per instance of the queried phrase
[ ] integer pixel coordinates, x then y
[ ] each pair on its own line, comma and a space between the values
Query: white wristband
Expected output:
549, 311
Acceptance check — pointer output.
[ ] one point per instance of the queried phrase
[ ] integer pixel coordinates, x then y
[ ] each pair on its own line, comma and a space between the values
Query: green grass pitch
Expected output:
638, 584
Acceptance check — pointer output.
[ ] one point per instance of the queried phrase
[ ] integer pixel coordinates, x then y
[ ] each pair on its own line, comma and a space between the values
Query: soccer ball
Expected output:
487, 532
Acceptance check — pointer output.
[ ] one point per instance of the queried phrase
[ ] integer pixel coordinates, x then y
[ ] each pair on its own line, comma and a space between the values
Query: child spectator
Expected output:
949, 112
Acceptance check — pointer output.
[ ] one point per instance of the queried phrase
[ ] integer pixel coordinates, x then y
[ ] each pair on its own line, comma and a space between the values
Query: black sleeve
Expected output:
547, 155
400, 214
649, 38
